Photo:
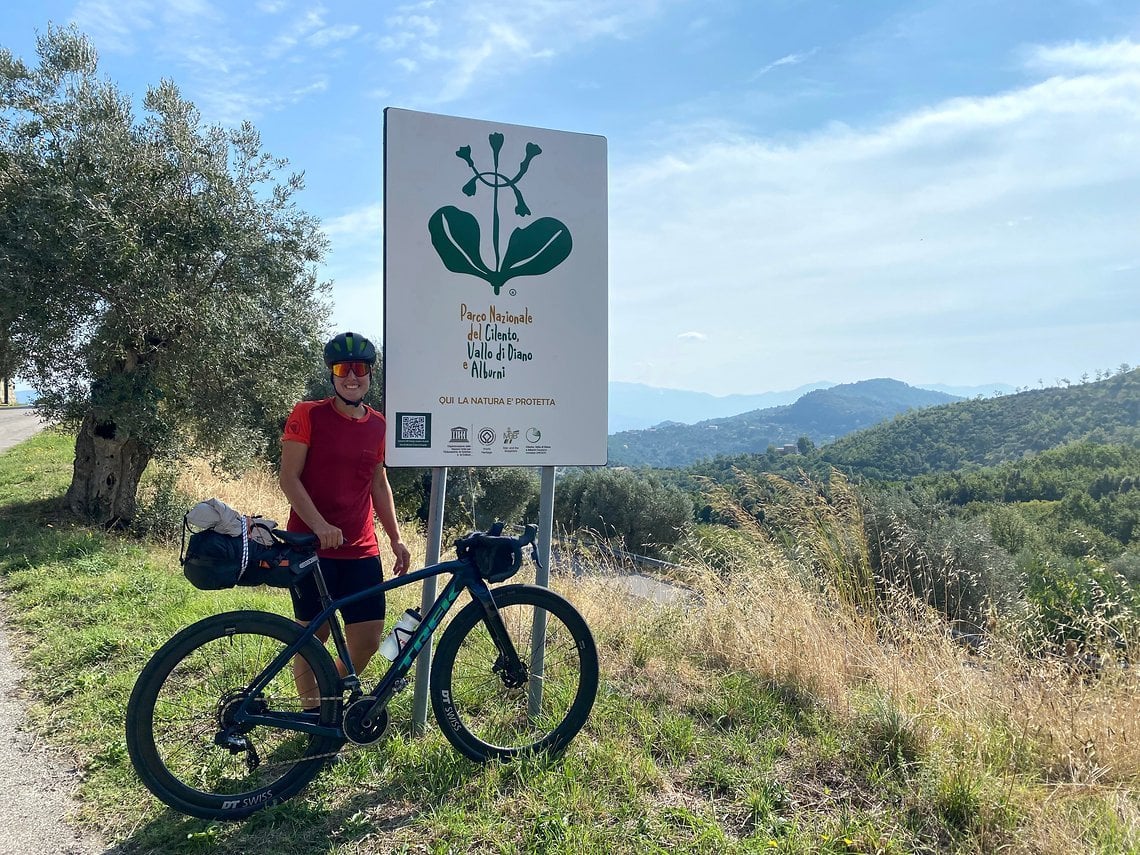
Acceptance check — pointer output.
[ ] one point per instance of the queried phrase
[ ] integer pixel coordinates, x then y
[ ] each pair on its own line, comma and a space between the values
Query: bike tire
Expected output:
478, 713
180, 698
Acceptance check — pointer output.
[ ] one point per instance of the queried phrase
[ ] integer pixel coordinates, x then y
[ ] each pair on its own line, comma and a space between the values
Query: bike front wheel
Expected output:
487, 713
182, 734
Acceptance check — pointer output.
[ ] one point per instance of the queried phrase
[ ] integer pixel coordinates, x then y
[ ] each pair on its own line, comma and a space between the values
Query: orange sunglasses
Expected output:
360, 369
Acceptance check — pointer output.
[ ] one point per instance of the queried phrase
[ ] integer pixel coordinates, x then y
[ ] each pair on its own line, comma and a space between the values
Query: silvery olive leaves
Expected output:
531, 251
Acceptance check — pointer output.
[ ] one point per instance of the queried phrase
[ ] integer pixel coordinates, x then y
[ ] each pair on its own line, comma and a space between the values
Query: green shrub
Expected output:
1077, 603
636, 508
952, 564
161, 506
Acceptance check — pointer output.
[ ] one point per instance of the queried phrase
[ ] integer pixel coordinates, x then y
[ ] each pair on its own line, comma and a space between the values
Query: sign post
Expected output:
495, 299
427, 595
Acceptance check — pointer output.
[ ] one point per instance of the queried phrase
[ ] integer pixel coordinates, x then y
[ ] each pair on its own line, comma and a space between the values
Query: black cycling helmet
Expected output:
349, 347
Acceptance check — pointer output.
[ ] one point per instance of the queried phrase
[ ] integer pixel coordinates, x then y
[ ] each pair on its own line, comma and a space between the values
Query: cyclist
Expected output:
332, 473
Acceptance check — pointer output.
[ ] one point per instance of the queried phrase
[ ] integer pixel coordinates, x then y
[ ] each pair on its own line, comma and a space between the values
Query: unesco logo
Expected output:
487, 436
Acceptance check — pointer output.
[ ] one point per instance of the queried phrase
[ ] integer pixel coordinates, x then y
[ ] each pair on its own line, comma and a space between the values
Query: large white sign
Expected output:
495, 293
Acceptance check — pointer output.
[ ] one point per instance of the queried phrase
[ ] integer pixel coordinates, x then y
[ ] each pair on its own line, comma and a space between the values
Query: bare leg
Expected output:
363, 641
303, 674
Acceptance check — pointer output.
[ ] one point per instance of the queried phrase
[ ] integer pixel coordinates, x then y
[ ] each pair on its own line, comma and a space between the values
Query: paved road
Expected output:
37, 782
16, 425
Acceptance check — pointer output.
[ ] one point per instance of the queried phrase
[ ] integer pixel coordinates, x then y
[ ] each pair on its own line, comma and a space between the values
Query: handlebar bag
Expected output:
496, 558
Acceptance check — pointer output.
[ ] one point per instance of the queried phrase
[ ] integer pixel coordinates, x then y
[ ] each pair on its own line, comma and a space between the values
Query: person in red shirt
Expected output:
332, 473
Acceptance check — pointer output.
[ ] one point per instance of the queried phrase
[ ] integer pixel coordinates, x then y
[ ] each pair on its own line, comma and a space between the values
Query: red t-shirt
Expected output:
339, 466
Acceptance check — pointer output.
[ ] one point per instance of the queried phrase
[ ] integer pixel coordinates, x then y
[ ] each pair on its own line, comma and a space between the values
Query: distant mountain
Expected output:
634, 406
990, 431
822, 415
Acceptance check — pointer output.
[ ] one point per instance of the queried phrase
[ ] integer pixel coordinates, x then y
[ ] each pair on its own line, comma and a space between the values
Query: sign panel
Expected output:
495, 293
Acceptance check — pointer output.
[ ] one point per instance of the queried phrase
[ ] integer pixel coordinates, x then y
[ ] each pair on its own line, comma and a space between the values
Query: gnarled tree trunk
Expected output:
108, 465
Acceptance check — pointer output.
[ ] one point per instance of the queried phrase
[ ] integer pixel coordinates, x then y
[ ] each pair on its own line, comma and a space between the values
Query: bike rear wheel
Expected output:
485, 712
184, 702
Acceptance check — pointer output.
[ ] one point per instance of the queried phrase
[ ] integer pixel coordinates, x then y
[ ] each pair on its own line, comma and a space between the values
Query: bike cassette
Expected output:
355, 730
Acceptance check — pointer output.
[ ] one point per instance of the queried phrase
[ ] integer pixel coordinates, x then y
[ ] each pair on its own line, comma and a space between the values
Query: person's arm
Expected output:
385, 507
293, 455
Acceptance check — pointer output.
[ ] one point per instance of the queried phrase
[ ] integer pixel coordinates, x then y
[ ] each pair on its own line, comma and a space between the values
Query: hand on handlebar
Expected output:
331, 536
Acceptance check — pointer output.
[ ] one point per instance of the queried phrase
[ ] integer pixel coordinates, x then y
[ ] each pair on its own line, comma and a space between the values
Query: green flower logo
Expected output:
531, 251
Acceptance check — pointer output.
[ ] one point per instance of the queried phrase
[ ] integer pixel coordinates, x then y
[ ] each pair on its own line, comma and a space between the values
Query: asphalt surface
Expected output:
37, 781
16, 425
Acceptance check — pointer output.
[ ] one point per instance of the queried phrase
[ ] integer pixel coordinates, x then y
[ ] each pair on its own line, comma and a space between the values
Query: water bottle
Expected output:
400, 634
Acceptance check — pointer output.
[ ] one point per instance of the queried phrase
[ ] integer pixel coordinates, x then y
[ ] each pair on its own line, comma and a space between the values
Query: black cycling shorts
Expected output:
343, 576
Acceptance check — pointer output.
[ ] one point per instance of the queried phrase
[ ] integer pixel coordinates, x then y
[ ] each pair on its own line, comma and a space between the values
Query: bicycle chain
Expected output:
349, 747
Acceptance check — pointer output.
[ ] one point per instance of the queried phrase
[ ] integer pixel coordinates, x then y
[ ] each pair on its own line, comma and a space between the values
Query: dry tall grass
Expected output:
1037, 733
1059, 745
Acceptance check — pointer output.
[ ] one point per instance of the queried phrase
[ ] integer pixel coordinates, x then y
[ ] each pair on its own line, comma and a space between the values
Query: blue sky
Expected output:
940, 192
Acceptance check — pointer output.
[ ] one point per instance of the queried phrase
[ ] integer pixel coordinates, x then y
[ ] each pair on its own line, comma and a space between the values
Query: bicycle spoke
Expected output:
497, 714
194, 706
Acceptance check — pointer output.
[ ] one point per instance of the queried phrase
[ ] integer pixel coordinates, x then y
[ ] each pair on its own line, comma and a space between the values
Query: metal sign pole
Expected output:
542, 577
427, 598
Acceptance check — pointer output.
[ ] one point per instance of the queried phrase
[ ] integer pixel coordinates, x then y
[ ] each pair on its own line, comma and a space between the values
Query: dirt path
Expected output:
37, 782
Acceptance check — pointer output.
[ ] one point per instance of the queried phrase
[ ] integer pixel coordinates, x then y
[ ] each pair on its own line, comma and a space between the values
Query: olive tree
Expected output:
157, 280
633, 506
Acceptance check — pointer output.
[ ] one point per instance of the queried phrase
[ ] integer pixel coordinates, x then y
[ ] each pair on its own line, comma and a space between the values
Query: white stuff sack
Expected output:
217, 515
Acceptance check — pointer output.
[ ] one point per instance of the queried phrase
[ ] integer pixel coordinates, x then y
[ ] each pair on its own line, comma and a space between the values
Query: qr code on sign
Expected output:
413, 430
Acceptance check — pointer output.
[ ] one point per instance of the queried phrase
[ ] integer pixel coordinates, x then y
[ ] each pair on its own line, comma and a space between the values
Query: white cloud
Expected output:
114, 24
365, 223
887, 240
790, 59
301, 27
329, 35
184, 10
313, 88
484, 34
403, 30
1078, 56
692, 335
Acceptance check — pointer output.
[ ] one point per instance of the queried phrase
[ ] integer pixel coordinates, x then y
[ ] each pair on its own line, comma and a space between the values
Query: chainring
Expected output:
355, 730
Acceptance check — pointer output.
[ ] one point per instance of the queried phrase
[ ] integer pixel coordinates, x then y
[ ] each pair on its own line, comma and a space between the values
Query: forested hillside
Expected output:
991, 431
821, 416
1079, 499
634, 406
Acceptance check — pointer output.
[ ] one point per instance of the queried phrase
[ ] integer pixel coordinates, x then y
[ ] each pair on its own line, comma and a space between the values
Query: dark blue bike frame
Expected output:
464, 576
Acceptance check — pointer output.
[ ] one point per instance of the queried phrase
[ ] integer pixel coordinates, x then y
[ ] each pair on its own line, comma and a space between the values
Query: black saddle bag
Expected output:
212, 561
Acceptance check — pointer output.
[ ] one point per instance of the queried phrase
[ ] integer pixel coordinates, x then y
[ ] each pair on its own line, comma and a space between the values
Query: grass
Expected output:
768, 718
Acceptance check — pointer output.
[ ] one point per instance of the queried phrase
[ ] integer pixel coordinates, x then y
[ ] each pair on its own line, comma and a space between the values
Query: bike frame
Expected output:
464, 577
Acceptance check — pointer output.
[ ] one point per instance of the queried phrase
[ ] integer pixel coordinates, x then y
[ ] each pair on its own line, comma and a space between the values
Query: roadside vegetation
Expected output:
796, 700
921, 637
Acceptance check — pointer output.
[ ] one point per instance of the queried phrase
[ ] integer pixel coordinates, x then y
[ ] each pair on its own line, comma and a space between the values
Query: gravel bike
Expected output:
215, 728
